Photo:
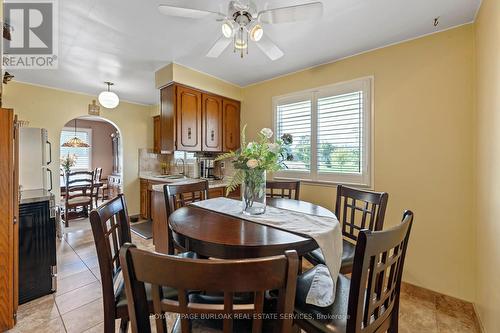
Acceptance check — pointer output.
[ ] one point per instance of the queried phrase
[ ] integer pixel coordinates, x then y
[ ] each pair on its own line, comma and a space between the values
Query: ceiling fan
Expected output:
243, 22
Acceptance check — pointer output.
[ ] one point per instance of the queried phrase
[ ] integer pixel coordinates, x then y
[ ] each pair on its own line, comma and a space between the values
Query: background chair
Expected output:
227, 276
97, 184
78, 193
111, 229
369, 302
177, 196
283, 189
356, 210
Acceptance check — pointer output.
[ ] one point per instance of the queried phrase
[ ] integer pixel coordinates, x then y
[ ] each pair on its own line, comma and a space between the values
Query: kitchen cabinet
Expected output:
145, 205
156, 135
193, 120
188, 119
231, 131
212, 123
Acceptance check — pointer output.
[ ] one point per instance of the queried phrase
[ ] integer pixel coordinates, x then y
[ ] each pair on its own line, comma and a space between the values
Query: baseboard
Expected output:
479, 322
465, 307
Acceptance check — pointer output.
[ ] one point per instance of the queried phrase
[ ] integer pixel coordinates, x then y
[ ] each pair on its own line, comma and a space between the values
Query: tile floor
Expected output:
77, 304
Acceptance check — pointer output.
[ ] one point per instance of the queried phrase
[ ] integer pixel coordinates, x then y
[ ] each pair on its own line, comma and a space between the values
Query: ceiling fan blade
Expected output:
186, 12
220, 45
307, 11
270, 48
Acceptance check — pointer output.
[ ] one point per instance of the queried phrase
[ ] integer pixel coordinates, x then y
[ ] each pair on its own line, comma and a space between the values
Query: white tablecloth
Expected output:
325, 231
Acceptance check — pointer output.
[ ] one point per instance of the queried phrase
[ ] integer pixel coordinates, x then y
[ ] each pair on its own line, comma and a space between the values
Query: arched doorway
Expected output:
104, 152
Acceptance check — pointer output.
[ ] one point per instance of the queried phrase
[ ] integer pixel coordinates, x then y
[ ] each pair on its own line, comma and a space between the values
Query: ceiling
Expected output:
126, 41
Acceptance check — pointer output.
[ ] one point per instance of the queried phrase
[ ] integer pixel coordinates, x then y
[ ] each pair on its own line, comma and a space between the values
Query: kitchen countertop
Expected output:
32, 196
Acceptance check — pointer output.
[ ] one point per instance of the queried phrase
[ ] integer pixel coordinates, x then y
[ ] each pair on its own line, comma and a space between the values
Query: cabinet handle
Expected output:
189, 133
231, 137
212, 135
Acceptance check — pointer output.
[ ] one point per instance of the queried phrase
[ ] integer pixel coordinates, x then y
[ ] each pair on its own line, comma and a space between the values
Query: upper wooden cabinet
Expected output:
188, 119
212, 123
231, 124
156, 135
193, 120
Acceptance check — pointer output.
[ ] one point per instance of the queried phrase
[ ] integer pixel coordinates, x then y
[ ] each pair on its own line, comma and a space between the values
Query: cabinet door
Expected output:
188, 117
212, 123
167, 119
156, 135
231, 125
144, 199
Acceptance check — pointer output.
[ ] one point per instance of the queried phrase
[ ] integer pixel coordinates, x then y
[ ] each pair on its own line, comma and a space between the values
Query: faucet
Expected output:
183, 165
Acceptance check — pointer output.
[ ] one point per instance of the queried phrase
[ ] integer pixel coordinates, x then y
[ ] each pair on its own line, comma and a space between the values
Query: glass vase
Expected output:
253, 192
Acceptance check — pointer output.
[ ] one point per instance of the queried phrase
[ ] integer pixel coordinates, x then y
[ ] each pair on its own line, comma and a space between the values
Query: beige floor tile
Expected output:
84, 318
53, 326
416, 316
91, 262
78, 297
65, 270
75, 281
36, 313
447, 323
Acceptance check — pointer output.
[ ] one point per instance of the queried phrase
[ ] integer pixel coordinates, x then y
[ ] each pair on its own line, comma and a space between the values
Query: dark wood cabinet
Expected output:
145, 202
194, 120
156, 135
212, 123
231, 131
188, 119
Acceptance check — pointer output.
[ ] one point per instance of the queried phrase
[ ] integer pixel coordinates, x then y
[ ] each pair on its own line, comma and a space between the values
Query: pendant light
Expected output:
75, 142
109, 99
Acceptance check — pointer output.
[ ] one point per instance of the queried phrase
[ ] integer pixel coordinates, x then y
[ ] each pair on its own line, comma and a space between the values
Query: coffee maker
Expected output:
207, 166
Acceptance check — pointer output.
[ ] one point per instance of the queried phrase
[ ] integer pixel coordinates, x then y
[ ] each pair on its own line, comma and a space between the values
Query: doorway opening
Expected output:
89, 145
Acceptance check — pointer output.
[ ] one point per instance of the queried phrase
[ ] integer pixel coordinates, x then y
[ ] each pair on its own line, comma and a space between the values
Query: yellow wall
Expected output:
423, 95
190, 77
51, 109
487, 38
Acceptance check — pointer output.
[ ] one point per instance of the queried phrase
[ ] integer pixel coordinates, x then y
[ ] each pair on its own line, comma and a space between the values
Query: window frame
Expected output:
365, 179
89, 133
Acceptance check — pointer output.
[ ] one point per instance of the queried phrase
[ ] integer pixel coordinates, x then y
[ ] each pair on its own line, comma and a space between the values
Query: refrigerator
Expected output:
37, 216
35, 156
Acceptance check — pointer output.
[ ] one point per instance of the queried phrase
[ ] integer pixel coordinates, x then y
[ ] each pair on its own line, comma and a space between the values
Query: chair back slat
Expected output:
254, 276
376, 278
358, 210
181, 195
111, 229
79, 184
283, 189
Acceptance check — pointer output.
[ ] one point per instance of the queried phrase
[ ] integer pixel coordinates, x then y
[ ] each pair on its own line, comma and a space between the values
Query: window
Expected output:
331, 128
83, 155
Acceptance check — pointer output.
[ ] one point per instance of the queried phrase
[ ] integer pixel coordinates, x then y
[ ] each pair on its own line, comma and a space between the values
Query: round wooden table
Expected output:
216, 235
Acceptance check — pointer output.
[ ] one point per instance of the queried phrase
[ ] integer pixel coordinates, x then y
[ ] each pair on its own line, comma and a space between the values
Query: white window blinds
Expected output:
338, 119
295, 119
83, 155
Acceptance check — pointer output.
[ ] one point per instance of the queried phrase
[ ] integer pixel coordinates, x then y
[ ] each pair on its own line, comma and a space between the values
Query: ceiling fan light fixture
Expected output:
228, 29
256, 33
109, 99
240, 44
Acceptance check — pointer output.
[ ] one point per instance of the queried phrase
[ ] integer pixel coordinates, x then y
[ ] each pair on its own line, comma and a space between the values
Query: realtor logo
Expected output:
33, 43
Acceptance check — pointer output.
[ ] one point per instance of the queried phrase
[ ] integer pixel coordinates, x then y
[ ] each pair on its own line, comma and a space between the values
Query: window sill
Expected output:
324, 183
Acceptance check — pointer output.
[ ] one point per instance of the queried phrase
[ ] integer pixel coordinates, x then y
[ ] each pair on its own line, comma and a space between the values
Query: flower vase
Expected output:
253, 192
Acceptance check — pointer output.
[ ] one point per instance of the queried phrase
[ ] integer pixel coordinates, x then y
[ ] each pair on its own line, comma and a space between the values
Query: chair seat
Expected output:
348, 249
331, 319
214, 325
121, 297
79, 200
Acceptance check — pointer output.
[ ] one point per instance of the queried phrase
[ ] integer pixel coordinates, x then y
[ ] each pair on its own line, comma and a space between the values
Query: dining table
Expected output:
217, 235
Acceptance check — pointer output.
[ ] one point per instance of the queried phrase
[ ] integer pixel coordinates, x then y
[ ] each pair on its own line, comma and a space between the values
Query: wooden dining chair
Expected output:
78, 194
111, 229
97, 184
356, 210
369, 301
228, 277
180, 195
283, 189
